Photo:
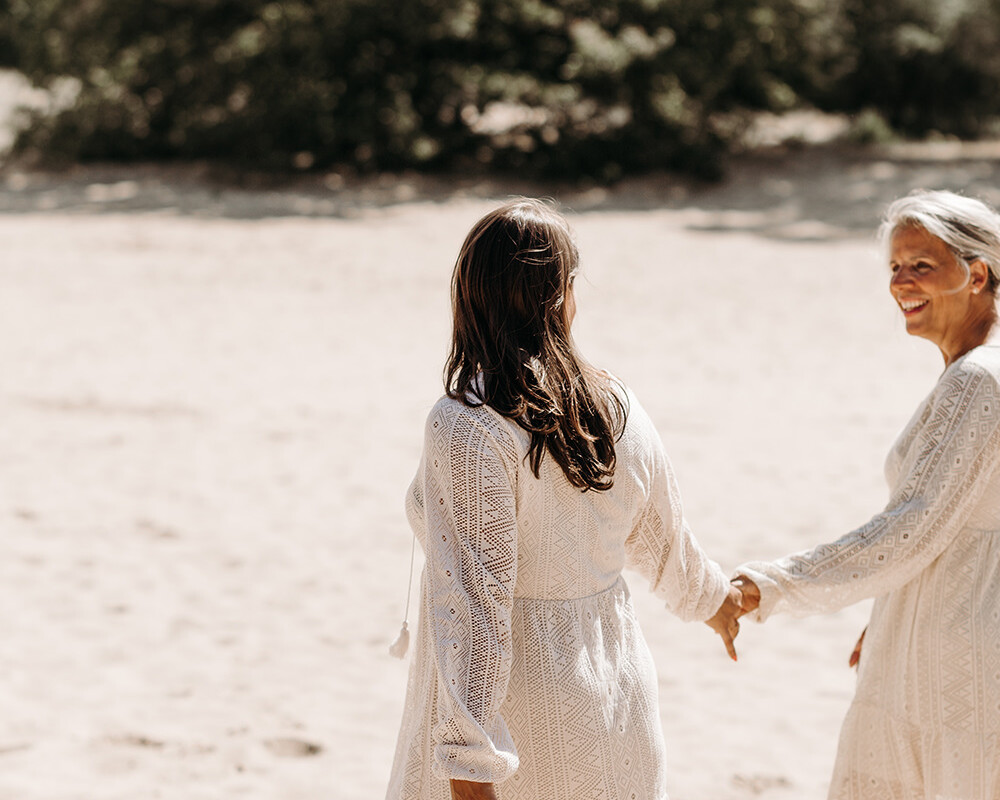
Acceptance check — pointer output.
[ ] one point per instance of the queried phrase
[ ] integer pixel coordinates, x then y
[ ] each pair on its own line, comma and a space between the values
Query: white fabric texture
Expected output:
925, 721
530, 670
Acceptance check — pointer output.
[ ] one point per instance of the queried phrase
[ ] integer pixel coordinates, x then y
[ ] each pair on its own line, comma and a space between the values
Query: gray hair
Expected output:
969, 227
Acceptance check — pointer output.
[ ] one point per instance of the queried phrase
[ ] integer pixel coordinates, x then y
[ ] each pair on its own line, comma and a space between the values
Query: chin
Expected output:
917, 330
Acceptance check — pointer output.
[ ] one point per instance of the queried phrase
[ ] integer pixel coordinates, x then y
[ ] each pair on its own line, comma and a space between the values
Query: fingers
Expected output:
728, 635
740, 602
725, 622
750, 593
855, 658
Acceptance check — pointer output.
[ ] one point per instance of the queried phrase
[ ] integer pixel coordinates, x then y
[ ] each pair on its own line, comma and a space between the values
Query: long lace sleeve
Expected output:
946, 469
663, 549
468, 498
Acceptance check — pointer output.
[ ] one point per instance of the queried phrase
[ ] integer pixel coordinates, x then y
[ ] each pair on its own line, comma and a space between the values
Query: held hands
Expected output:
743, 597
751, 593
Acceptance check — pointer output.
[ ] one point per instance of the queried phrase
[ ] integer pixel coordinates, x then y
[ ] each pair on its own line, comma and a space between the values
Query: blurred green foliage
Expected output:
8, 56
544, 87
925, 66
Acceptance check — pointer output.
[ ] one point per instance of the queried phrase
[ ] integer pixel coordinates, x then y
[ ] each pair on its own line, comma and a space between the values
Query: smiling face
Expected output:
939, 295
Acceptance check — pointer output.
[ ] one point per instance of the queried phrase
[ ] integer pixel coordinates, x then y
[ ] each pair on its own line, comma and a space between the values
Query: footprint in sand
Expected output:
137, 740
292, 748
758, 784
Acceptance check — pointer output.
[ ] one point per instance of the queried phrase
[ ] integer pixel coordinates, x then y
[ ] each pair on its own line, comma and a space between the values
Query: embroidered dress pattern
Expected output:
925, 721
529, 669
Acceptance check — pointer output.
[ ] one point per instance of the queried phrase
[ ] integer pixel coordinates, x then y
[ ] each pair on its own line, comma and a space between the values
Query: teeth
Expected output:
909, 305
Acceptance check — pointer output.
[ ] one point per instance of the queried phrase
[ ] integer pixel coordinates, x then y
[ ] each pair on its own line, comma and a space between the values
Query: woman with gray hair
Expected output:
925, 720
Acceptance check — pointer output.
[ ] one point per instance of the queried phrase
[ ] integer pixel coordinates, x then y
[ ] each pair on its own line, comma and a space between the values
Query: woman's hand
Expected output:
856, 653
751, 593
470, 790
726, 619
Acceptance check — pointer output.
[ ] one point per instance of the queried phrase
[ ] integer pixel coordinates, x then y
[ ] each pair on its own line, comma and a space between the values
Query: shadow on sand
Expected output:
806, 194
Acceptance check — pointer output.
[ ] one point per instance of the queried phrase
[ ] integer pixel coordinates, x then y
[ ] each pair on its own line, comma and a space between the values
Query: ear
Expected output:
979, 276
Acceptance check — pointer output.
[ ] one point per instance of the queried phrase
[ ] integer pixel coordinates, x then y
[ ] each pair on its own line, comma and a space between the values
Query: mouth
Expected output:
912, 307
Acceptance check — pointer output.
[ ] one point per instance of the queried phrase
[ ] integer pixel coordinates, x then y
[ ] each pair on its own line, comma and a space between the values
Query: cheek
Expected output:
570, 306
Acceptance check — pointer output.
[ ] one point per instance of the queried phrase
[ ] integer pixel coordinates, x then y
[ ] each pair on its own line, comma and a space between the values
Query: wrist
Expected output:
471, 790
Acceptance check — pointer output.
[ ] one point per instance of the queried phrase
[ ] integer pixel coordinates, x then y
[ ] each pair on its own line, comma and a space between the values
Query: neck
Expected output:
982, 328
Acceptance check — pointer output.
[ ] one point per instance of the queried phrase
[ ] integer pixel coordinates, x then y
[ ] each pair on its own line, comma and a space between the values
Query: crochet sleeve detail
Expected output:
953, 456
663, 549
468, 495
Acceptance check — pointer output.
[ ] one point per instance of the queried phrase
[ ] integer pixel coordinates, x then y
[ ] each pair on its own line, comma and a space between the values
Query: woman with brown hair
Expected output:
541, 479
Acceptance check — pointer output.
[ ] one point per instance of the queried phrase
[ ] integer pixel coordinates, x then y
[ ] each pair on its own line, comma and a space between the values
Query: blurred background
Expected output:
547, 88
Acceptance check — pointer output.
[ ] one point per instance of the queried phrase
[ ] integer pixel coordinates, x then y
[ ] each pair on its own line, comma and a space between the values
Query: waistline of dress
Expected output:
619, 585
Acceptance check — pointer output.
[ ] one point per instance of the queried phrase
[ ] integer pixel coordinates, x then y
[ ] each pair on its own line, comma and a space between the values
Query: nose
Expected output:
901, 277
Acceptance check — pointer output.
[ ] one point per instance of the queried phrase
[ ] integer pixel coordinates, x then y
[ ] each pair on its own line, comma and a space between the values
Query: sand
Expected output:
212, 403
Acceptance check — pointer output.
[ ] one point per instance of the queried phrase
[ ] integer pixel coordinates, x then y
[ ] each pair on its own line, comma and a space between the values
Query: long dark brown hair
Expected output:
511, 345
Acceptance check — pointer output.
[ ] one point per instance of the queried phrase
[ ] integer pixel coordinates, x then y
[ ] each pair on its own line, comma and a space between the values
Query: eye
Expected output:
894, 268
923, 266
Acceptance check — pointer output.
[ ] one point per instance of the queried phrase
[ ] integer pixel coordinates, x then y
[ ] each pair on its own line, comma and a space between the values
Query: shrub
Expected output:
543, 86
8, 56
922, 66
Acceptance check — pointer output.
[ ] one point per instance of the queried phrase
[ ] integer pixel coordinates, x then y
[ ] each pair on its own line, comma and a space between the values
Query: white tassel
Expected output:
399, 647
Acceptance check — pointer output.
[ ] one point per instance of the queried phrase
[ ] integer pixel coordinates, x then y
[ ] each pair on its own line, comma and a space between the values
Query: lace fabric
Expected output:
530, 670
925, 721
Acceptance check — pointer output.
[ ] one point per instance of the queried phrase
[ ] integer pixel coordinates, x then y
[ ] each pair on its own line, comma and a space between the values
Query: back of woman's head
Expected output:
969, 227
511, 343
510, 285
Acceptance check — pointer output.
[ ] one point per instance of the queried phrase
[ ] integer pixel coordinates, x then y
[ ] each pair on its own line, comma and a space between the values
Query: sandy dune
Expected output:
213, 402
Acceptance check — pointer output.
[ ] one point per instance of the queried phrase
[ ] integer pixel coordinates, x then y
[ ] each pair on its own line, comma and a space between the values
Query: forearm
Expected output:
469, 790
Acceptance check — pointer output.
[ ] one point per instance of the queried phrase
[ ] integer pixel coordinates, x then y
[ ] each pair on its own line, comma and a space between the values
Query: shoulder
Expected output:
983, 359
621, 392
458, 425
636, 416
972, 382
979, 367
640, 443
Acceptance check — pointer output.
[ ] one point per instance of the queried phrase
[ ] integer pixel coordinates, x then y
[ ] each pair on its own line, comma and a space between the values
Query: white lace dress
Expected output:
925, 721
530, 670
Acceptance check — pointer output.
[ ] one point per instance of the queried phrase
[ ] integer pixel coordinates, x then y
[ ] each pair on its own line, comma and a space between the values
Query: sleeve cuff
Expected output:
719, 594
482, 764
770, 592
702, 606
